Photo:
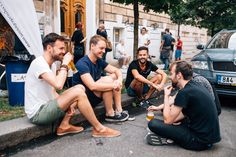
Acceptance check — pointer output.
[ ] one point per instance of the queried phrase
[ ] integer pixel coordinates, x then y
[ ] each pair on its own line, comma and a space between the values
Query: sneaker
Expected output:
118, 117
106, 132
156, 140
70, 130
144, 104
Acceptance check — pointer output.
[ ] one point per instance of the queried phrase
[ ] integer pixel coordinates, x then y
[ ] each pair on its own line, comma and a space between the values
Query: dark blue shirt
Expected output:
167, 38
85, 65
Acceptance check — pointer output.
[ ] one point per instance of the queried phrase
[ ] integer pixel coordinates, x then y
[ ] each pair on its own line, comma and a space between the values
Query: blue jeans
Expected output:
166, 62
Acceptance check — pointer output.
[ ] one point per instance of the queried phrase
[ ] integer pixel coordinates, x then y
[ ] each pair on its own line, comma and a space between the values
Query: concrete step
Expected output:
20, 130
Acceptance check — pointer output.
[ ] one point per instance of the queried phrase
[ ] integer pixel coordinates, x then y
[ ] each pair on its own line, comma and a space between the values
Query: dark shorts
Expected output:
93, 99
131, 92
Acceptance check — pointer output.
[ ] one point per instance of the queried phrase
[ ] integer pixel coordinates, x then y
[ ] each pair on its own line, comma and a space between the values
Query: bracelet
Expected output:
64, 66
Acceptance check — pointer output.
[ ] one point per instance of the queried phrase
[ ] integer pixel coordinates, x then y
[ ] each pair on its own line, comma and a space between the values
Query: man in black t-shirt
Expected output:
137, 83
201, 126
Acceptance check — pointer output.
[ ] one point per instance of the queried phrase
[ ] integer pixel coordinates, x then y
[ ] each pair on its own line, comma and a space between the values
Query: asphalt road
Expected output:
131, 142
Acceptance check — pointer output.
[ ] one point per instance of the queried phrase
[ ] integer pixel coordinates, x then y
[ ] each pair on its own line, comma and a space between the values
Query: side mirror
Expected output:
200, 47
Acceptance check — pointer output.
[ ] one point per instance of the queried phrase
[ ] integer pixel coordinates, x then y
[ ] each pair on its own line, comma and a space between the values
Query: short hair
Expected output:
79, 25
142, 48
95, 39
50, 39
167, 30
144, 29
184, 68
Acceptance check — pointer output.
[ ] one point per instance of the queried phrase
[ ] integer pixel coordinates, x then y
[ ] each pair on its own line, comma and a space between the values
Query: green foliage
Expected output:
8, 112
211, 14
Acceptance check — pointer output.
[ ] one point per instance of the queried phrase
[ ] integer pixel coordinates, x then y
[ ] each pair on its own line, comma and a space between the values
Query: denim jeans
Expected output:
166, 62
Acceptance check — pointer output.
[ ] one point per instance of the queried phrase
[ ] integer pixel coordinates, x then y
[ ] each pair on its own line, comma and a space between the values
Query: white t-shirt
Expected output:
143, 39
120, 51
37, 91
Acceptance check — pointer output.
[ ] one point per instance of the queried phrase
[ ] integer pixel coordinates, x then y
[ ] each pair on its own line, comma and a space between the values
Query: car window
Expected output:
232, 42
223, 40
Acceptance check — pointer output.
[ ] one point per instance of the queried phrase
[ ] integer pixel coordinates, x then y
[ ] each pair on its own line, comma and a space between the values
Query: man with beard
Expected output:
100, 88
137, 84
43, 105
200, 129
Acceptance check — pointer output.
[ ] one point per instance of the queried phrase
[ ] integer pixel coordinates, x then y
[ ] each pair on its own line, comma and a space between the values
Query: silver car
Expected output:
217, 62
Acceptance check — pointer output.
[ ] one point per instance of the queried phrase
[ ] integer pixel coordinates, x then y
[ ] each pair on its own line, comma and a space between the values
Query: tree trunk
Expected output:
136, 24
212, 29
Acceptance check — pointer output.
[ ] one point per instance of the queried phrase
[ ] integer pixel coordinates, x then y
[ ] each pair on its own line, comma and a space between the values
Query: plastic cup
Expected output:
149, 116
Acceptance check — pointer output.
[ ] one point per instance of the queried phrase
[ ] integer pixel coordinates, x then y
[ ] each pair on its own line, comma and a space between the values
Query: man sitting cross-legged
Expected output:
200, 130
99, 88
42, 103
137, 83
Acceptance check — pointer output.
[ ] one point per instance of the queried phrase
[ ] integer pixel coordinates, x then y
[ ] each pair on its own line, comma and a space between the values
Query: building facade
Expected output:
61, 16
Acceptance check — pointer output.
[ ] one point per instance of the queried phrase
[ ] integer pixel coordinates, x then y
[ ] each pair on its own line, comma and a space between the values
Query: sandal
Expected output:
156, 140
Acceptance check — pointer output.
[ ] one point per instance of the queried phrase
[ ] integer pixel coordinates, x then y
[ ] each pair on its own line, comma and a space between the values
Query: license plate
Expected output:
226, 80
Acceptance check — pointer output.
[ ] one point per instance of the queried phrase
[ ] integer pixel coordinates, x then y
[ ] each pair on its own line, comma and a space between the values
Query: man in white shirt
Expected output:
121, 54
43, 105
144, 38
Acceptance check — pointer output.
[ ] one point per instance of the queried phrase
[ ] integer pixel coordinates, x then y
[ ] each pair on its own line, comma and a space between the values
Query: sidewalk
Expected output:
20, 130
131, 143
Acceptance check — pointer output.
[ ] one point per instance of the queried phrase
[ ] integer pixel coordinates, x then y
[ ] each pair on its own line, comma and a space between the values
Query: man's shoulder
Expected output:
134, 63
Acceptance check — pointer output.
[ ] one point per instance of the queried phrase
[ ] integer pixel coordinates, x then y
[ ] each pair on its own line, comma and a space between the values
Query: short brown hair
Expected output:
95, 39
184, 68
79, 25
50, 39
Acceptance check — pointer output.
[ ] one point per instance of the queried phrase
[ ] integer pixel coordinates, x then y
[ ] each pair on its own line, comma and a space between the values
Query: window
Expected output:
116, 39
62, 20
77, 17
221, 40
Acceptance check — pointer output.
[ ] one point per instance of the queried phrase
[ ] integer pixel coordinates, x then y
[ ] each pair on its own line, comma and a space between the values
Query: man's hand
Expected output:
158, 87
167, 90
117, 85
155, 108
71, 109
67, 58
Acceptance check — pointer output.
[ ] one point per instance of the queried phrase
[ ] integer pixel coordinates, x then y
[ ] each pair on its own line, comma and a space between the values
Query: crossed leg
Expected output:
76, 96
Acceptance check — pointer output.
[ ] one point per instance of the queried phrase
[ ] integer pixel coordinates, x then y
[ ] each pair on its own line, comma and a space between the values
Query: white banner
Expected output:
21, 16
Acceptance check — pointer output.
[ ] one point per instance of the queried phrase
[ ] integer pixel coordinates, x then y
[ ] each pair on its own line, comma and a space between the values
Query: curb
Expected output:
20, 130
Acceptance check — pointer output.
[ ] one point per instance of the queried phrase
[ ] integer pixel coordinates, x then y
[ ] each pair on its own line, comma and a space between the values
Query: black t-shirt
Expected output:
77, 37
102, 33
135, 65
198, 105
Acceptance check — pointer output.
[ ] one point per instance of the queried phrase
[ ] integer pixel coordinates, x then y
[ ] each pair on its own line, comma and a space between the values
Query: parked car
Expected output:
217, 62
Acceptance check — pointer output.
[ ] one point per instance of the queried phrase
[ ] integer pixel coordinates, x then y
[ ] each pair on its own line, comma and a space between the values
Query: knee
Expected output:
79, 91
80, 88
152, 125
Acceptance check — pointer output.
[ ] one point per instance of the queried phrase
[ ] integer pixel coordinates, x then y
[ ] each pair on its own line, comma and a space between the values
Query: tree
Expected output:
155, 5
211, 14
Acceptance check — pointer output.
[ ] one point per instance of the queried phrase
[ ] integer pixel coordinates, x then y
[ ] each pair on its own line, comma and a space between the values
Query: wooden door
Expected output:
72, 11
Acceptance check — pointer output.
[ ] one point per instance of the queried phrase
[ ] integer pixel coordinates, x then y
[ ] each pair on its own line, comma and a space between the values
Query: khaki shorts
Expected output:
48, 113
